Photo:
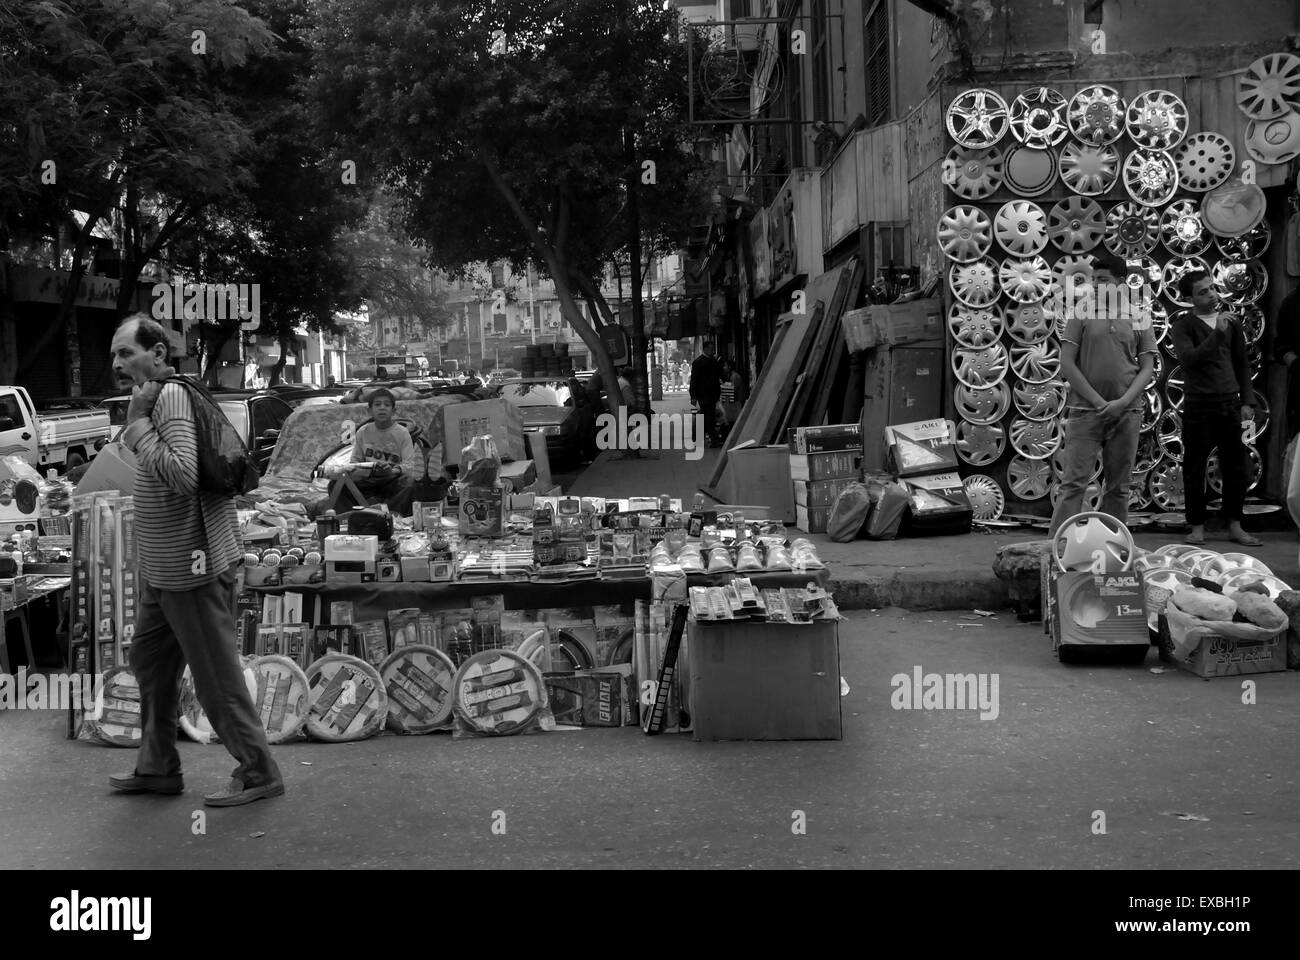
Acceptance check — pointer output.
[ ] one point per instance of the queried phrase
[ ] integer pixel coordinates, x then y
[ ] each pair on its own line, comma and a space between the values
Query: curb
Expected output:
923, 591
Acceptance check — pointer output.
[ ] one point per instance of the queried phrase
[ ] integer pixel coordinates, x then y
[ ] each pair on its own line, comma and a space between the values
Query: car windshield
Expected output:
539, 393
236, 412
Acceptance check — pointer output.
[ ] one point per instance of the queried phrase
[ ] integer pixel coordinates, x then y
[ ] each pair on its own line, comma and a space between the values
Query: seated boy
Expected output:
389, 445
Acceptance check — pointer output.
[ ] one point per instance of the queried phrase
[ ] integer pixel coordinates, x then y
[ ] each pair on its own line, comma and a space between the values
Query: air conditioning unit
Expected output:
555, 324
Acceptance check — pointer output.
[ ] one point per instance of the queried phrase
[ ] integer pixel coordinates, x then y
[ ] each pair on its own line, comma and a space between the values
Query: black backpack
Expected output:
225, 465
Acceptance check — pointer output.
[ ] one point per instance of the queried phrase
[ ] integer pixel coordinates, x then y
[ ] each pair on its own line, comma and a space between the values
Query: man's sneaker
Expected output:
145, 783
235, 794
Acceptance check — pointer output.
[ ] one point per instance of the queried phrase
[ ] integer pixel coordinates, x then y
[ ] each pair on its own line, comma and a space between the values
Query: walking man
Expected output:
706, 388
1218, 399
1107, 356
188, 543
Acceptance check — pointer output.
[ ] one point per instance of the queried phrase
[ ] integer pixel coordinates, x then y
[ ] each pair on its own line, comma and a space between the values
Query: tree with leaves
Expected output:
511, 130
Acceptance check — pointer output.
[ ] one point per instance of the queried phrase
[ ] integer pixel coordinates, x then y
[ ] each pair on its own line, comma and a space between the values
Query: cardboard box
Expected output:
303, 574
812, 519
590, 698
761, 476
839, 465
1216, 656
415, 569
763, 681
937, 501
262, 576
893, 323
818, 493
499, 419
351, 558
518, 474
920, 448
825, 439
388, 571
1096, 609
482, 511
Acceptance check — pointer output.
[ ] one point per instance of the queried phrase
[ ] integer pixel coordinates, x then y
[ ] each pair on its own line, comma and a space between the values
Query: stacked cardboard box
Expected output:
823, 460
923, 456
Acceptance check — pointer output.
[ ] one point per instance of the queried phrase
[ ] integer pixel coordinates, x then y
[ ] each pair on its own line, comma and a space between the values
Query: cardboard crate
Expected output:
761, 476
498, 418
937, 504
751, 680
1217, 656
893, 323
1087, 609
818, 493
839, 465
812, 519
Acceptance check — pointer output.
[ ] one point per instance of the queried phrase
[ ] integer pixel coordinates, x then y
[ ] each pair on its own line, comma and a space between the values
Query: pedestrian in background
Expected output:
188, 542
706, 388
733, 396
1107, 356
1217, 399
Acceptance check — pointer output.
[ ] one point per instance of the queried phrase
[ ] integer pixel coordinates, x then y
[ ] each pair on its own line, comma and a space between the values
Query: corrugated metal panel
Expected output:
882, 174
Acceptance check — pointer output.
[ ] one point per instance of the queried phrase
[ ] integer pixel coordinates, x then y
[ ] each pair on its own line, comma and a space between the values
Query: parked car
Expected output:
62, 439
546, 405
256, 416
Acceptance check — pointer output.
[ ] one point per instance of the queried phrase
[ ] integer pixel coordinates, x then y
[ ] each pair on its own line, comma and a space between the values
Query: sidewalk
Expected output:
924, 573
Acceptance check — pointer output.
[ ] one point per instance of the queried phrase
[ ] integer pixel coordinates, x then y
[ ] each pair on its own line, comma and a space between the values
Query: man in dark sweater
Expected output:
1218, 398
706, 388
1286, 350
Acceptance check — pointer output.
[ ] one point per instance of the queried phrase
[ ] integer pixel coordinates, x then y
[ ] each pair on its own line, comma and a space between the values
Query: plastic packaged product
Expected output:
419, 681
690, 559
348, 700
280, 697
499, 693
720, 560
747, 558
778, 558
849, 514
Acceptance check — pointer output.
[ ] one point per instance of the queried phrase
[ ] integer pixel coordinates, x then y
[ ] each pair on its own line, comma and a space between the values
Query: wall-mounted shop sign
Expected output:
40, 285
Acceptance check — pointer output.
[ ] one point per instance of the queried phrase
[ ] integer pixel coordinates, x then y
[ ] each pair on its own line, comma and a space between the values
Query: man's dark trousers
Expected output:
709, 407
1206, 425
197, 627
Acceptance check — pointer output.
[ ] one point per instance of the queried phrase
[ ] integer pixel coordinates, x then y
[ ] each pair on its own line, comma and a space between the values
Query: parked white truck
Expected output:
61, 440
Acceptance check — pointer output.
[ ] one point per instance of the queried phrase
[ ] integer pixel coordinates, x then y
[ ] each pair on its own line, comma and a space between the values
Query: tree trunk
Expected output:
640, 381
277, 371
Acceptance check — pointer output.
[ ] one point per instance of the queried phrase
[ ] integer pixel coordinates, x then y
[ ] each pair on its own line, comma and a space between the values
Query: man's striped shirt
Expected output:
173, 518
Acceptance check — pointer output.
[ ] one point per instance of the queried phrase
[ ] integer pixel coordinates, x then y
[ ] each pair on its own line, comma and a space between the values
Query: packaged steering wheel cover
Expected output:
116, 720
498, 694
194, 722
420, 683
279, 697
347, 699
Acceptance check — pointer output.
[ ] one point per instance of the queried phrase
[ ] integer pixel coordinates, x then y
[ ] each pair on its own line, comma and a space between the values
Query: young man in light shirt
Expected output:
1107, 356
389, 445
1217, 399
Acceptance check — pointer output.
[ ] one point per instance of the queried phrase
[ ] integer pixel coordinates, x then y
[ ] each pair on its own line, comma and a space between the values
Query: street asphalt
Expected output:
1185, 774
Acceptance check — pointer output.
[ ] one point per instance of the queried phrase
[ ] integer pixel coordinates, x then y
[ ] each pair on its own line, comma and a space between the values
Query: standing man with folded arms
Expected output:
1107, 356
188, 543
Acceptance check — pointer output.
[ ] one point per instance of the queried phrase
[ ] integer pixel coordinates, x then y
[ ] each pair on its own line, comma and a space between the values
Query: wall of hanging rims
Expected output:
1038, 180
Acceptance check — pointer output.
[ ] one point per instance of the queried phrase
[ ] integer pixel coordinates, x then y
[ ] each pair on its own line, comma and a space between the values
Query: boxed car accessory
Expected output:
924, 447
590, 698
268, 640
840, 465
403, 627
825, 439
388, 571
330, 639
340, 612
370, 641
351, 559
117, 722
482, 510
1096, 609
126, 573
293, 642
938, 503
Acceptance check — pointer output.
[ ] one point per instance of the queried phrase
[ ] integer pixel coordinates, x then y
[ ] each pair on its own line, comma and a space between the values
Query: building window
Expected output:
876, 50
498, 275
891, 246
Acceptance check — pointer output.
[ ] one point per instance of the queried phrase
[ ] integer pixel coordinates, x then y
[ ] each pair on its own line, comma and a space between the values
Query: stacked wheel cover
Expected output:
1038, 182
